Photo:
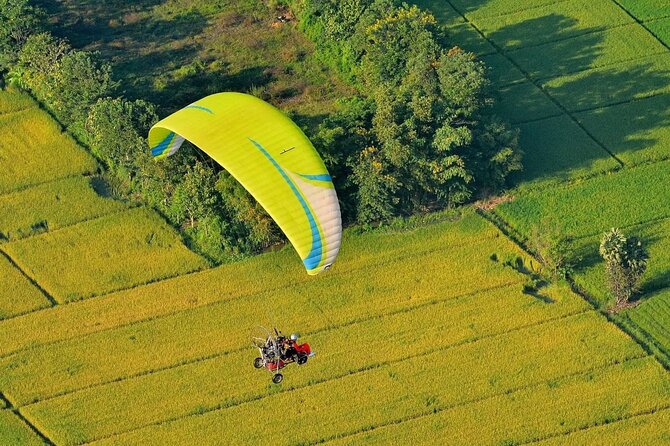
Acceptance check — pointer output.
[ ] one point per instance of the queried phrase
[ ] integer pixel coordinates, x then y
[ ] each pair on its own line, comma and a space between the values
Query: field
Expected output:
424, 333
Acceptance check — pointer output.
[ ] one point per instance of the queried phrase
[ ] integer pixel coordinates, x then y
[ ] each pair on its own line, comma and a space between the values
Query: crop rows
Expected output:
646, 429
51, 206
551, 408
14, 432
103, 255
653, 316
12, 101
35, 150
390, 395
568, 343
646, 9
610, 85
17, 294
377, 254
205, 330
636, 132
551, 23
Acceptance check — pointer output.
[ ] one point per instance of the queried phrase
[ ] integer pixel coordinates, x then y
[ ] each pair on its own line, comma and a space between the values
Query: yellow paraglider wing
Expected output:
272, 158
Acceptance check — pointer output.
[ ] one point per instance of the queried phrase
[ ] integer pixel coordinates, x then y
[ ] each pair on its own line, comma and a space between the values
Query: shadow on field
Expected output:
621, 129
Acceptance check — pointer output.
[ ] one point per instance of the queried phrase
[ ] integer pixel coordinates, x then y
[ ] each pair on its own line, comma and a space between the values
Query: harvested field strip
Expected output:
608, 47
599, 87
378, 252
552, 23
12, 101
113, 354
17, 294
99, 256
496, 8
605, 395
590, 275
13, 431
382, 399
570, 205
637, 132
524, 102
28, 140
556, 149
646, 429
193, 389
51, 206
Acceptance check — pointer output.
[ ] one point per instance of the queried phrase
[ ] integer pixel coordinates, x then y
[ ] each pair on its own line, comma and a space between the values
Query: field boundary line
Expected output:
437, 410
641, 23
50, 299
44, 183
26, 421
596, 425
614, 104
238, 349
360, 370
303, 281
644, 337
505, 54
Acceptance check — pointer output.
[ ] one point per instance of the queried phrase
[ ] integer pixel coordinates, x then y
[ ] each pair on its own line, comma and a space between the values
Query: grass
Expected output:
604, 395
524, 102
637, 132
14, 432
17, 294
206, 329
609, 85
551, 23
542, 352
51, 206
176, 51
103, 255
12, 101
34, 150
383, 401
608, 47
592, 206
646, 9
556, 149
645, 429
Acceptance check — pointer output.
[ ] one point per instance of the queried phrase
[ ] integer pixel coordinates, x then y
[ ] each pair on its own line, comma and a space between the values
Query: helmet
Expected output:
295, 336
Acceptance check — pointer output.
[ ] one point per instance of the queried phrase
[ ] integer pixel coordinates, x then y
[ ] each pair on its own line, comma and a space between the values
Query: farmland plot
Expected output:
442, 10
17, 294
51, 206
34, 150
501, 72
551, 23
653, 317
13, 431
493, 8
12, 101
661, 29
467, 37
637, 132
104, 255
524, 102
646, 9
609, 85
608, 47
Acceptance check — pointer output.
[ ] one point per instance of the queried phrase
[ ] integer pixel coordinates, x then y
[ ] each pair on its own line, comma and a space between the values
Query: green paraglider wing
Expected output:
272, 158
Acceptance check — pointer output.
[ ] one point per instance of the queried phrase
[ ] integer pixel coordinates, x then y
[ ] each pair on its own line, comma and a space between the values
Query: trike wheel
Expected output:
277, 378
258, 363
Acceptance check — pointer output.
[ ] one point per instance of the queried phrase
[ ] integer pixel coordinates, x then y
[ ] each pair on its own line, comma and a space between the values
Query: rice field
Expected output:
52, 206
424, 334
17, 294
34, 150
12, 101
103, 255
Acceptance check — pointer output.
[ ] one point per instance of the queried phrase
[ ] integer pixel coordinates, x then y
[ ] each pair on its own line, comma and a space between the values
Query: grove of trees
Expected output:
418, 135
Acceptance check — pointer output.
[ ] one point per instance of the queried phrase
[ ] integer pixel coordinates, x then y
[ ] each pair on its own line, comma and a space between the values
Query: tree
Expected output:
117, 129
625, 263
194, 197
17, 21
